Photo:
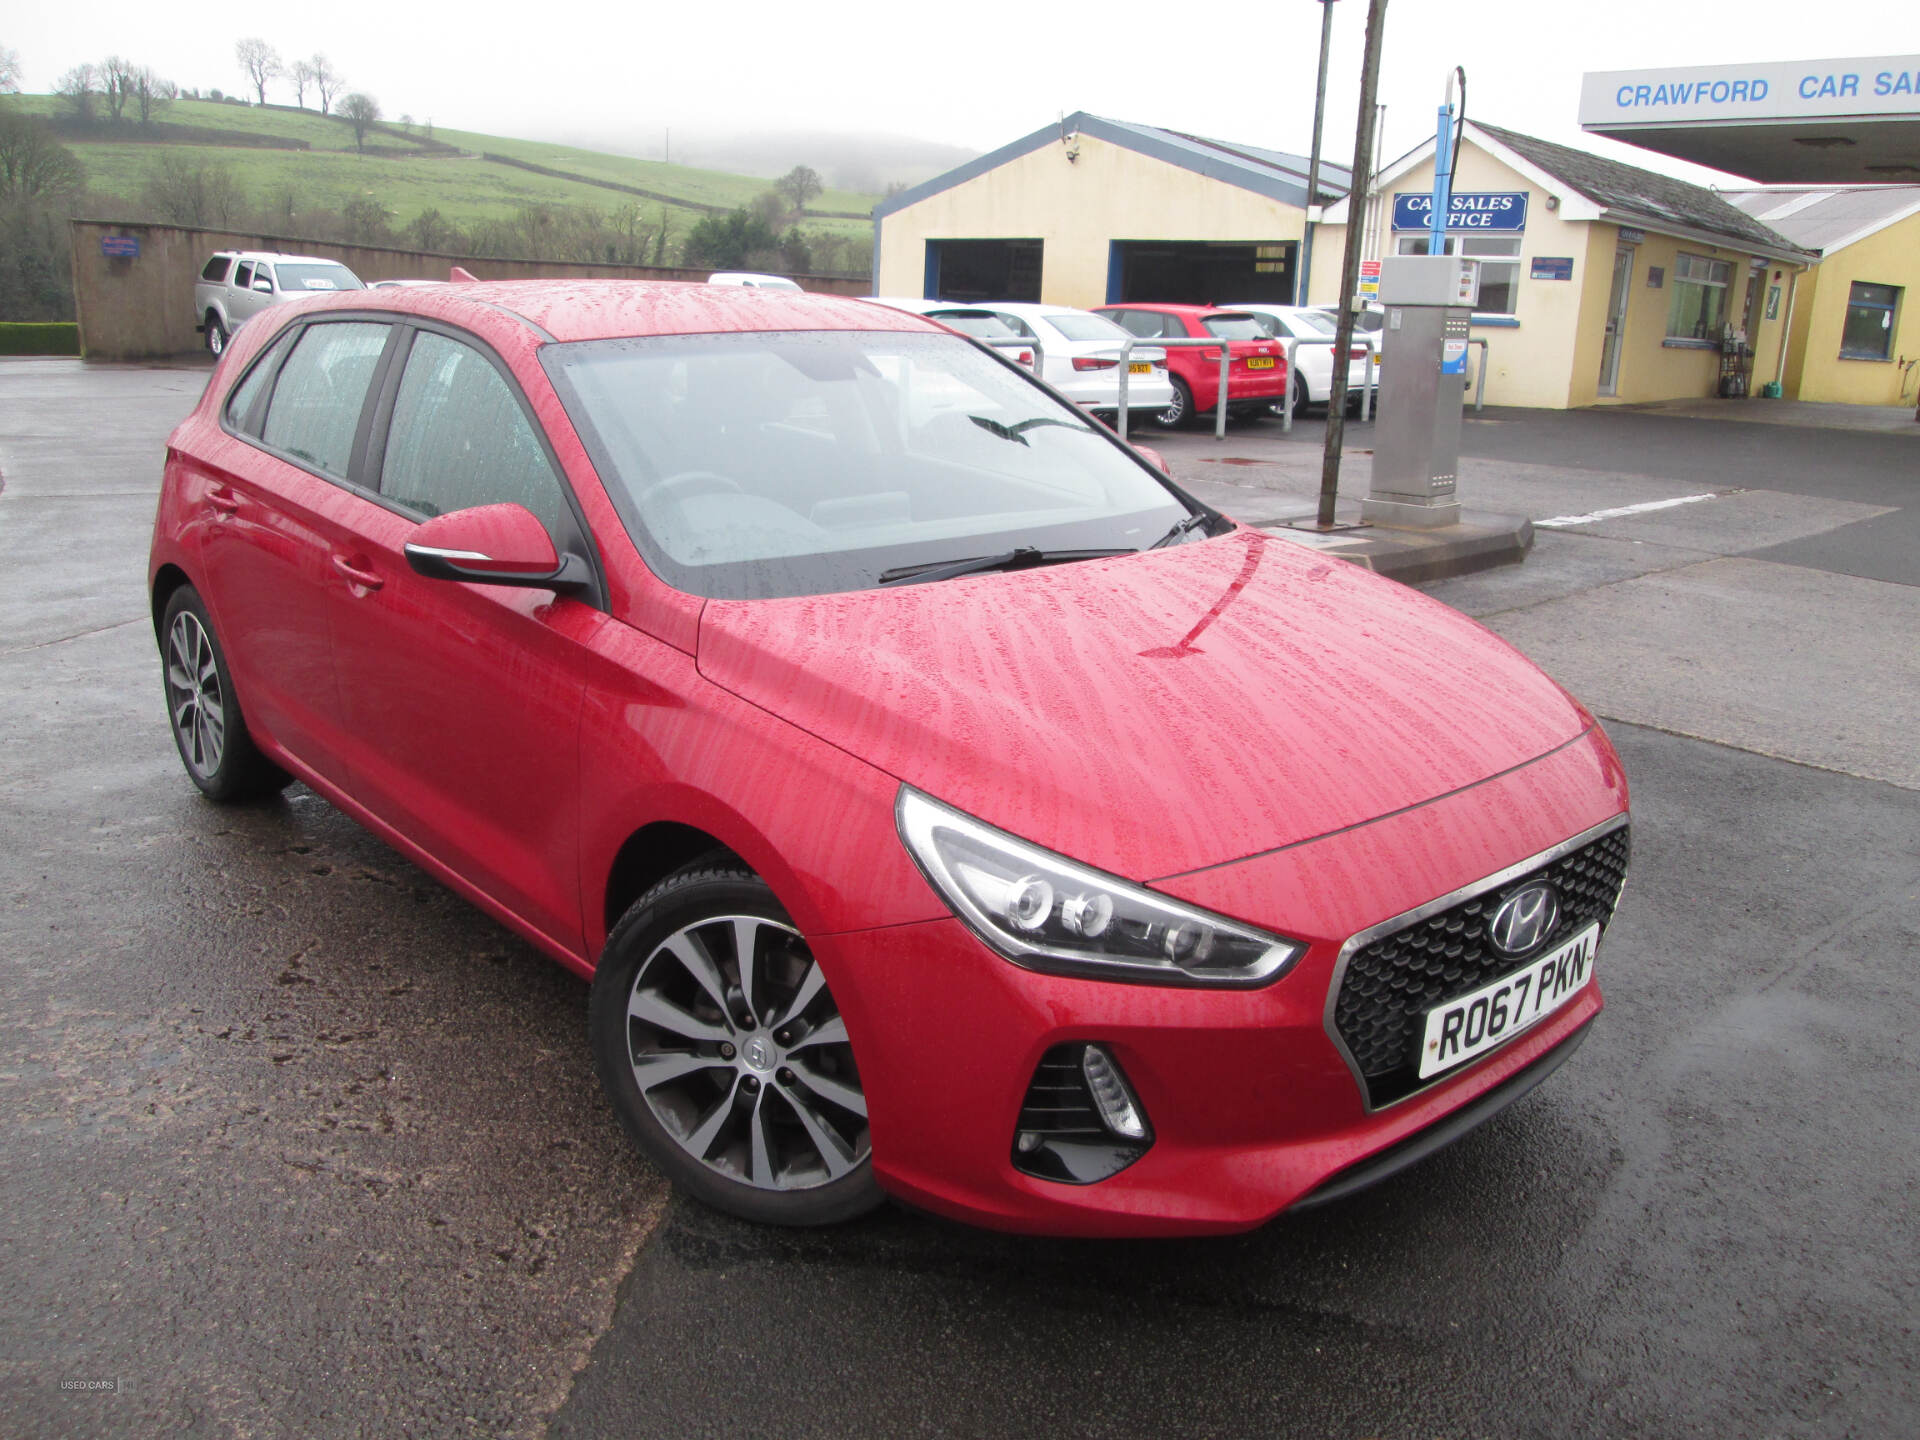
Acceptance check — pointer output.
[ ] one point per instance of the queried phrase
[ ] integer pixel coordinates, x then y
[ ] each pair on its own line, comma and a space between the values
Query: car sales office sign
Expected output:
1504, 211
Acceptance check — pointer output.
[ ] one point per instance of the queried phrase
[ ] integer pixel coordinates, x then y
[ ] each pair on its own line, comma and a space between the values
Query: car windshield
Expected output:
317, 277
1234, 327
975, 322
800, 463
1085, 327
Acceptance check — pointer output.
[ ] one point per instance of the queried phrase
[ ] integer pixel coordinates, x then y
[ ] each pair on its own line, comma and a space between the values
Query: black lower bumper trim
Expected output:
1443, 1132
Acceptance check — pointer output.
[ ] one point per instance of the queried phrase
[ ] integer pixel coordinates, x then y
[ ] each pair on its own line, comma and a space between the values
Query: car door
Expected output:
272, 489
463, 700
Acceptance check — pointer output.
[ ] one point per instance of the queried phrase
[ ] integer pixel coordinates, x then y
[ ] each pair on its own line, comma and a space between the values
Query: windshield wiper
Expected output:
1024, 557
1017, 433
1182, 527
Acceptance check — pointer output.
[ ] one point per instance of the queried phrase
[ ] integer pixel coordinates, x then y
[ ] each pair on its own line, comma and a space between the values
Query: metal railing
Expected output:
1480, 375
1366, 385
1158, 343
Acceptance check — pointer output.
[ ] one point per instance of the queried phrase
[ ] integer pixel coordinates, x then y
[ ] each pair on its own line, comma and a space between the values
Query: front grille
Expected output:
1392, 982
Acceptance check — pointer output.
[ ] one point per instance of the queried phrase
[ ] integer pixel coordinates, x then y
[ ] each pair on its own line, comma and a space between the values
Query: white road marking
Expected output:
1561, 522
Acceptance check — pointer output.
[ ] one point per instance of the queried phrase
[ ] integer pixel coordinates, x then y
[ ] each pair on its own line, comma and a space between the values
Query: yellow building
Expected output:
1094, 211
1600, 283
1854, 331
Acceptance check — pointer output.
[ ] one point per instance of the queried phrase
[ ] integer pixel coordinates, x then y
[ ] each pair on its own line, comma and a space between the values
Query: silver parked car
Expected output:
237, 284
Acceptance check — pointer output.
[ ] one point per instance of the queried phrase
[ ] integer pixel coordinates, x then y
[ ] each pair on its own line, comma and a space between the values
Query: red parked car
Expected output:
1256, 368
940, 801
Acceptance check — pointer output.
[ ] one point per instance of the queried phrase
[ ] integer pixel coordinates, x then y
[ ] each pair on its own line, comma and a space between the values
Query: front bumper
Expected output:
1253, 1106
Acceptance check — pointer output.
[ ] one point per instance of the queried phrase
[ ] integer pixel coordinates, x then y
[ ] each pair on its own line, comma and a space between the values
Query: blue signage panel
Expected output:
120, 245
1501, 210
1552, 267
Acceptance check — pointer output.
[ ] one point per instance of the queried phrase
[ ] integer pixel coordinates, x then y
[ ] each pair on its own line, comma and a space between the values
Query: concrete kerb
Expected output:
1482, 540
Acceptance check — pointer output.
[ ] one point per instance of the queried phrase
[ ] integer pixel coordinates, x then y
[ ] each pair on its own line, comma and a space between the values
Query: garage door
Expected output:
1200, 272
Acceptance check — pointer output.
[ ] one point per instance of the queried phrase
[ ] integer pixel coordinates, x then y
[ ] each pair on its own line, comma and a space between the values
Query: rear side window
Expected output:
460, 439
216, 270
316, 404
240, 403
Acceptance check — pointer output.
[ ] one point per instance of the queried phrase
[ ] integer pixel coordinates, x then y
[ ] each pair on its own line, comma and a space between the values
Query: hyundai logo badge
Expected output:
1524, 919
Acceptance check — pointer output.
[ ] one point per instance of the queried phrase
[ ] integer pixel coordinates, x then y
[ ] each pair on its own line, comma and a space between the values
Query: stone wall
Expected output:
141, 307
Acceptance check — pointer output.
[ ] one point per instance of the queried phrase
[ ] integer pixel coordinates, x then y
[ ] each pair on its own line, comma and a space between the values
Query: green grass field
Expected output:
463, 188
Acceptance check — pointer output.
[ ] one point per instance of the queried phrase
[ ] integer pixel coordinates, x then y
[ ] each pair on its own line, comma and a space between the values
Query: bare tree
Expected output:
799, 185
327, 80
151, 93
9, 71
79, 88
182, 192
301, 74
116, 85
261, 62
33, 165
361, 111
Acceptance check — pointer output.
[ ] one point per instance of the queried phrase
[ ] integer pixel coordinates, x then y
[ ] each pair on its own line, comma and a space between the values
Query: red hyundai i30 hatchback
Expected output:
941, 803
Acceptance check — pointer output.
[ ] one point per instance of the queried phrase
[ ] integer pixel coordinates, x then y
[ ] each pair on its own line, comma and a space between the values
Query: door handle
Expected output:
223, 500
354, 575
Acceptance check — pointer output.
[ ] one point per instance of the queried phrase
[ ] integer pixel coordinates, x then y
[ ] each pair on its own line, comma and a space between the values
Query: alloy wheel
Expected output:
742, 1056
196, 700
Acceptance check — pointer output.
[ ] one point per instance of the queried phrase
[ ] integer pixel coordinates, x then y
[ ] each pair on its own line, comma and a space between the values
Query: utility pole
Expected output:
1357, 191
1305, 269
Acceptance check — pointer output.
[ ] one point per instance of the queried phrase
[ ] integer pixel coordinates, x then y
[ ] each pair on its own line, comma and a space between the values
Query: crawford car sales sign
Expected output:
1470, 210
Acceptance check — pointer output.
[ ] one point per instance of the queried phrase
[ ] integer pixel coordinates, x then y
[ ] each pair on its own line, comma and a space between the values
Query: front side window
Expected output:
459, 438
1867, 333
764, 464
317, 400
1699, 286
241, 402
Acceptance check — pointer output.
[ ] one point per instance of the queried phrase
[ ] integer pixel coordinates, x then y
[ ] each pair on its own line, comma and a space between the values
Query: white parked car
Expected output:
236, 285
1313, 364
974, 320
751, 280
1082, 358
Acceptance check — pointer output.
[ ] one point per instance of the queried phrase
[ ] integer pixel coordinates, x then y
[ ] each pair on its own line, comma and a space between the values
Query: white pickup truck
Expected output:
237, 284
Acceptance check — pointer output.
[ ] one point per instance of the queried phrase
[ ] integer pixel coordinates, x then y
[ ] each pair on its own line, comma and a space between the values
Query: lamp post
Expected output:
1305, 269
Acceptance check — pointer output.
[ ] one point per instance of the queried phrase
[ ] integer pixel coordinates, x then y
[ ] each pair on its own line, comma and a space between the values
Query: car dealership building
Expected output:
1601, 282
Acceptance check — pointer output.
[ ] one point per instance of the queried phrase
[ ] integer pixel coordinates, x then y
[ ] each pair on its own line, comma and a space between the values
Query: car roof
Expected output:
278, 256
1197, 312
569, 310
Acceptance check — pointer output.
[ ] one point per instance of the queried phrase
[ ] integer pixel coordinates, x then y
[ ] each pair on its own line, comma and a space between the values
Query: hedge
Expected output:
25, 337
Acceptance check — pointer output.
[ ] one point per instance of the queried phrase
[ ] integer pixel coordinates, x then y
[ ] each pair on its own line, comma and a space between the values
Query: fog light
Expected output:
1111, 1097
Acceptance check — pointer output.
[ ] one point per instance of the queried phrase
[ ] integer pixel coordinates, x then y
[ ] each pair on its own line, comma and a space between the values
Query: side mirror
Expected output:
1154, 458
265, 287
492, 545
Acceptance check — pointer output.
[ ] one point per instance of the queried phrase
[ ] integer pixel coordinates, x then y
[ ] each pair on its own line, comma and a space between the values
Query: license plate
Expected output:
1473, 1024
1139, 367
1260, 362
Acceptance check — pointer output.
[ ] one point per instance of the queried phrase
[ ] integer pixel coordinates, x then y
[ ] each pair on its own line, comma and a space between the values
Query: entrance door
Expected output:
1616, 321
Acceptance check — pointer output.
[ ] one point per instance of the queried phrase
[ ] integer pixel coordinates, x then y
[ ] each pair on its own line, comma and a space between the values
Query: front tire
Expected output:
1178, 413
725, 1056
216, 336
209, 728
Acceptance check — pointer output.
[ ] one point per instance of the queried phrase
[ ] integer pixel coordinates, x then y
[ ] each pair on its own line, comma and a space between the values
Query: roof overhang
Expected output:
1818, 122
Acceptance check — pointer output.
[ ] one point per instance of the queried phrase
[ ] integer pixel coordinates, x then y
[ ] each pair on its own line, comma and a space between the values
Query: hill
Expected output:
288, 161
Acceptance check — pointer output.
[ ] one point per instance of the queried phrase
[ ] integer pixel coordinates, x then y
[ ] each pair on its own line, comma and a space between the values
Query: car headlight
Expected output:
1043, 911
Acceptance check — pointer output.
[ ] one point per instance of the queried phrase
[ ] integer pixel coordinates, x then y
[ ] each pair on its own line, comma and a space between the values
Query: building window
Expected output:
1499, 257
1868, 333
1699, 297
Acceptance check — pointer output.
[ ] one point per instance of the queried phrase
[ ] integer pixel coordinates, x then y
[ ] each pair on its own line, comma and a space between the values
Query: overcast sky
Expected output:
977, 73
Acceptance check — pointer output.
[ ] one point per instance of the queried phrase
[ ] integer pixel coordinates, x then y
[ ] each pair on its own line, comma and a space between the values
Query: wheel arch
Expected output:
166, 580
649, 855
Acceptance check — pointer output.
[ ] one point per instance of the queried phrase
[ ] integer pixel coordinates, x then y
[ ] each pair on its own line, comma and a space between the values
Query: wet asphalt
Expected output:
300, 1144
